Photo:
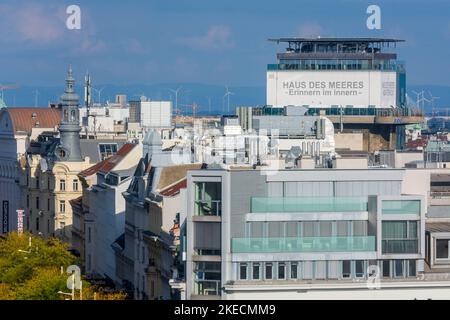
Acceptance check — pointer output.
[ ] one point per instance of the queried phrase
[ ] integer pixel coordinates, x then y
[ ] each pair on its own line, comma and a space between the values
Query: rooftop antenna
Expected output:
87, 93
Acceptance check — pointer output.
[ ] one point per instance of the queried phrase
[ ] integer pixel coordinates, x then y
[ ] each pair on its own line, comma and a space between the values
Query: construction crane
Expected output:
7, 87
194, 107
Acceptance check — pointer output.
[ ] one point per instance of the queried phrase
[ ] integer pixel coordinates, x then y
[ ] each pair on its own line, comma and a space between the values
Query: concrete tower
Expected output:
69, 147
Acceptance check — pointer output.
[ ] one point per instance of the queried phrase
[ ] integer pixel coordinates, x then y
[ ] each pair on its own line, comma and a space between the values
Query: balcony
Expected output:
208, 207
304, 244
207, 287
308, 204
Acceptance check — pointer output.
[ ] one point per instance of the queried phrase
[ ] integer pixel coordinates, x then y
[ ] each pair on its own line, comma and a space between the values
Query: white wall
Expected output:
439, 292
372, 88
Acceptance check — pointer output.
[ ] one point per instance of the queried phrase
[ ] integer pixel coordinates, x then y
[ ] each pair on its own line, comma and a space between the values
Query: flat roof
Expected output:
337, 40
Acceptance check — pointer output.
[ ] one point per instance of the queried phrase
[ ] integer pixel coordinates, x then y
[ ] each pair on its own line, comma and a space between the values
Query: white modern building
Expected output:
150, 114
308, 234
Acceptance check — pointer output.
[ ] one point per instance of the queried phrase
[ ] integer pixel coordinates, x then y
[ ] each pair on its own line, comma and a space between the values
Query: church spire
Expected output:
69, 146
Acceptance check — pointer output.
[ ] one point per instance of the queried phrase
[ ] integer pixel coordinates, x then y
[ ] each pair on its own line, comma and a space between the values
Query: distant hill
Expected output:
210, 98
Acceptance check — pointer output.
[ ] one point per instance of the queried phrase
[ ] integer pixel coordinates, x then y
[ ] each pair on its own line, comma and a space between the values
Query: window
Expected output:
37, 224
75, 185
281, 270
62, 185
143, 254
398, 268
412, 268
37, 203
28, 201
62, 226
359, 268
346, 269
107, 150
399, 237
294, 273
359, 228
48, 204
89, 235
256, 270
268, 271
48, 225
242, 271
386, 268
442, 248
37, 182
62, 206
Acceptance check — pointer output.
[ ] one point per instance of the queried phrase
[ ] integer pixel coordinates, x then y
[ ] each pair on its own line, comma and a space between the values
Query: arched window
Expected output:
72, 116
66, 115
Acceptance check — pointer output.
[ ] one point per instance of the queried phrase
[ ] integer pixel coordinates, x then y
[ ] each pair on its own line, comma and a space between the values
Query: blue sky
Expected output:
203, 41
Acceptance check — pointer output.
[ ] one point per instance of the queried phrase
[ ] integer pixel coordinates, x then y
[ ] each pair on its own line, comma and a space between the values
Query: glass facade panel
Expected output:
399, 237
308, 204
401, 207
304, 244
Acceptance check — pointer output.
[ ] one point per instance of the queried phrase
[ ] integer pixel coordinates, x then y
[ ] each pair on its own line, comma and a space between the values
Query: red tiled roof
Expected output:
174, 189
23, 120
109, 163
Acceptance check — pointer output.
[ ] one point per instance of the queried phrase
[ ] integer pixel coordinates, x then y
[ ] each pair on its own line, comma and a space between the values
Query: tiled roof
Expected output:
108, 164
25, 119
173, 174
174, 189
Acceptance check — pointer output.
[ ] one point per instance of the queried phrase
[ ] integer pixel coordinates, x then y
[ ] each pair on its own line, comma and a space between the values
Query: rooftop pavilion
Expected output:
337, 45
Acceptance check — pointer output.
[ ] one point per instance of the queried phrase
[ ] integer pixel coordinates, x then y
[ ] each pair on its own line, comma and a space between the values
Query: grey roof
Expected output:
90, 147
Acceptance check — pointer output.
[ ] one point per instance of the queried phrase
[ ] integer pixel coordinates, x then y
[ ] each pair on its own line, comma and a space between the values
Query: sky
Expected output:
203, 41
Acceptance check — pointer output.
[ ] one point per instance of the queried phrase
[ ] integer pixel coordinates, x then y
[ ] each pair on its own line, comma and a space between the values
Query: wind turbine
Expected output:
227, 94
99, 92
433, 98
175, 91
36, 94
7, 87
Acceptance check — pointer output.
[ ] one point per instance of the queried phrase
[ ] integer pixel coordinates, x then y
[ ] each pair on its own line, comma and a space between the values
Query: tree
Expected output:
34, 272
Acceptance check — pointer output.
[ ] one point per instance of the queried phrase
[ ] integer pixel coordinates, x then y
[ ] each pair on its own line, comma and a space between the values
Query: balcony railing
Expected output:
304, 244
401, 207
308, 204
207, 287
208, 207
400, 246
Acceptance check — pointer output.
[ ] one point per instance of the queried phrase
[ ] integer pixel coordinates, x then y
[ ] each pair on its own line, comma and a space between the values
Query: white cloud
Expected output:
31, 23
216, 37
310, 29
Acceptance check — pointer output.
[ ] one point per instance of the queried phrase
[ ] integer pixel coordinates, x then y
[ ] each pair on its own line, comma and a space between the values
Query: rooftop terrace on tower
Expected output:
336, 54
